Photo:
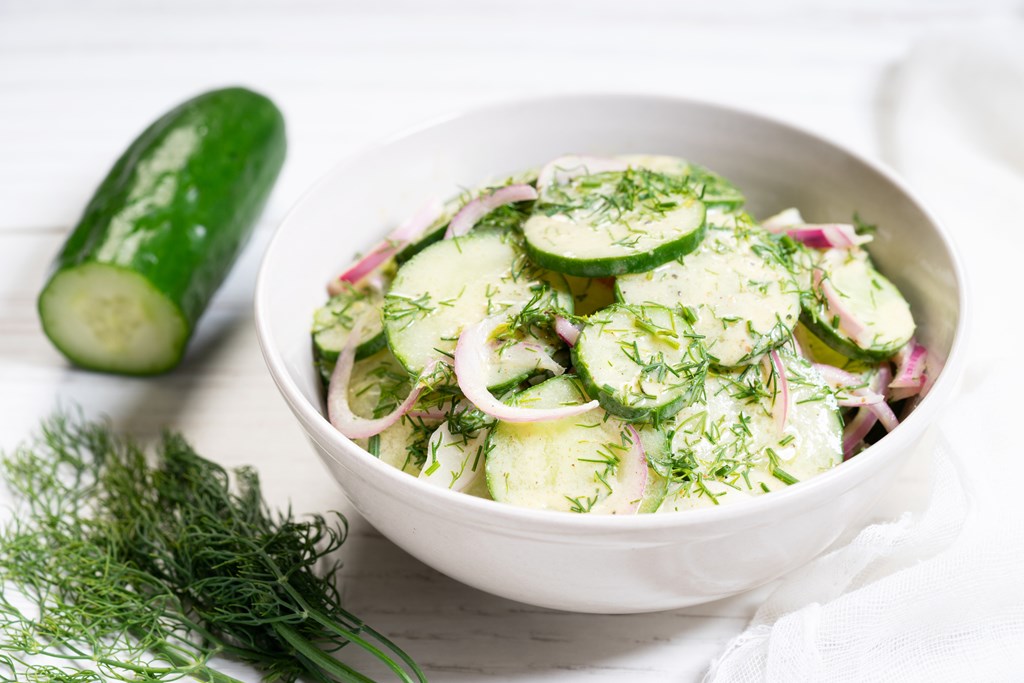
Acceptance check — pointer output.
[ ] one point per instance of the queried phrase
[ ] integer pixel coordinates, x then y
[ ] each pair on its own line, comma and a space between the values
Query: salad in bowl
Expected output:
616, 335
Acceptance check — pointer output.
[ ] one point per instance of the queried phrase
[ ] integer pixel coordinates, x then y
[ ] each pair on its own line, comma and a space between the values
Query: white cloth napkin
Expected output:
937, 595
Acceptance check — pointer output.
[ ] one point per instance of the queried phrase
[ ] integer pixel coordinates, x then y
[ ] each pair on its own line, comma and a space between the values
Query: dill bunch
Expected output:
116, 566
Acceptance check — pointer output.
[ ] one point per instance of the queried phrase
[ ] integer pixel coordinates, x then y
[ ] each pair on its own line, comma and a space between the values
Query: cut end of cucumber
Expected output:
107, 318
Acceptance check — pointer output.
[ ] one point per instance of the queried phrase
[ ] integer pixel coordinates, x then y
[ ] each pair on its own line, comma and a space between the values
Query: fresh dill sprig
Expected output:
120, 566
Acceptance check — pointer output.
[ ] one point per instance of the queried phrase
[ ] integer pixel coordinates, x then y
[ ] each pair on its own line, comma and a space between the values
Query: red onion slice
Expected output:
817, 235
827, 236
566, 331
565, 168
880, 381
470, 371
901, 393
385, 250
911, 360
363, 267
451, 459
471, 213
853, 385
848, 322
781, 399
885, 415
636, 459
838, 377
338, 410
856, 431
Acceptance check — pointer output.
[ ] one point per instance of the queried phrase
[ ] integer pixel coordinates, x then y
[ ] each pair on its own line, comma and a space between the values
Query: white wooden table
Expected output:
78, 80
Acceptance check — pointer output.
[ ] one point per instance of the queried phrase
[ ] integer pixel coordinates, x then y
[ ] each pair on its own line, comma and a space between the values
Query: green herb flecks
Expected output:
407, 309
618, 196
341, 309
582, 504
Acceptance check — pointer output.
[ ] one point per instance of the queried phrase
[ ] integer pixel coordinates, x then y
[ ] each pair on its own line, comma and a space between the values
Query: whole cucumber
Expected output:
161, 233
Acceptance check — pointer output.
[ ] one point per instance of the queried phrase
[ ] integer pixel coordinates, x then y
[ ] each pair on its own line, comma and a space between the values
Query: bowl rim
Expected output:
839, 479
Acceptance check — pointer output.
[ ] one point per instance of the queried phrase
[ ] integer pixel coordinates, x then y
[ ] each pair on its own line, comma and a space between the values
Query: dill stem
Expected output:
347, 634
183, 666
212, 675
318, 658
366, 645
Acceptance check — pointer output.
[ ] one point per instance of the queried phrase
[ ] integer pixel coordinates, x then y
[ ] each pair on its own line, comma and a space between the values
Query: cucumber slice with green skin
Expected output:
656, 444
433, 235
736, 290
378, 384
586, 463
161, 233
731, 447
333, 322
818, 351
869, 297
711, 188
613, 223
517, 360
403, 445
459, 282
641, 362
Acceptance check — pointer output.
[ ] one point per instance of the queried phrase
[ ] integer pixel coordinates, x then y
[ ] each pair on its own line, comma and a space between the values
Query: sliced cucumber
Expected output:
613, 223
641, 362
518, 359
377, 385
818, 351
333, 322
459, 282
656, 444
508, 217
714, 190
111, 318
581, 464
736, 290
869, 297
732, 446
711, 188
433, 234
404, 445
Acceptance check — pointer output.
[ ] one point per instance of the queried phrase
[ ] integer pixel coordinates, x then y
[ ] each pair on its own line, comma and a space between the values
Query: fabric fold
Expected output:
937, 595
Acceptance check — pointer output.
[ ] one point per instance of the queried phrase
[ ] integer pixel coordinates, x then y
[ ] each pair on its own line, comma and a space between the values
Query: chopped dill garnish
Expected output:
582, 504
784, 477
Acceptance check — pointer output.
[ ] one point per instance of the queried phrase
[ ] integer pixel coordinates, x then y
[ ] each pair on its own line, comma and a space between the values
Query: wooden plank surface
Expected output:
79, 79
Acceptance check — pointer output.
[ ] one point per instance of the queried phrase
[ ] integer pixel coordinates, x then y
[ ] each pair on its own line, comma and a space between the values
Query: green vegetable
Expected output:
614, 223
136, 571
161, 233
643, 363
333, 322
868, 296
457, 282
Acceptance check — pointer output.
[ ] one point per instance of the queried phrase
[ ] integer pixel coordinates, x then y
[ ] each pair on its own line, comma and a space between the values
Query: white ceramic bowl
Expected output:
600, 563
